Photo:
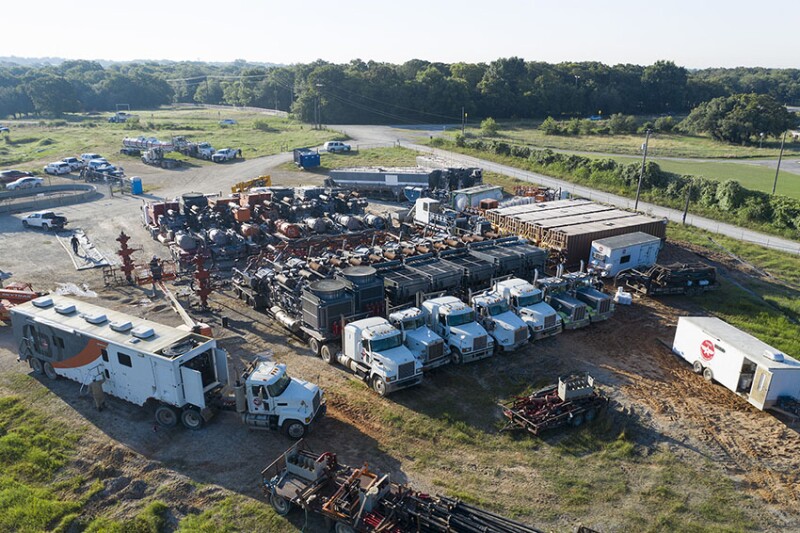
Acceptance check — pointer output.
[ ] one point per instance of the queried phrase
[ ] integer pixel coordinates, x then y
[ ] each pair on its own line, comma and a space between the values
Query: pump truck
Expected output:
182, 374
506, 327
528, 302
454, 321
426, 345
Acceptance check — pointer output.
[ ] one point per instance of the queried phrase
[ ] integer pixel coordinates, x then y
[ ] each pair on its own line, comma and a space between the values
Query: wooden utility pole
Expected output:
777, 170
641, 172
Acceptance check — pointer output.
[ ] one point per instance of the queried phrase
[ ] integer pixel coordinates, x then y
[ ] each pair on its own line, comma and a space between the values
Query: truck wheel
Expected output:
280, 504
166, 416
46, 227
577, 420
36, 365
294, 429
590, 415
192, 419
708, 374
379, 385
24, 223
455, 357
327, 352
697, 367
49, 371
341, 527
314, 345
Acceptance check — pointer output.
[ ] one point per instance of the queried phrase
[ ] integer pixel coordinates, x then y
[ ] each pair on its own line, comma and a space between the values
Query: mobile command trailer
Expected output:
738, 361
144, 362
612, 255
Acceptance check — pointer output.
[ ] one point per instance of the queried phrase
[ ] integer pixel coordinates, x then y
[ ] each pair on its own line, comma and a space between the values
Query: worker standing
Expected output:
156, 272
74, 242
96, 388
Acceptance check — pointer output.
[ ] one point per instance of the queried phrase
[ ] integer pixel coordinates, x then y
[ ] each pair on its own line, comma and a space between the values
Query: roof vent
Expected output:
142, 332
65, 309
121, 327
773, 355
97, 318
43, 302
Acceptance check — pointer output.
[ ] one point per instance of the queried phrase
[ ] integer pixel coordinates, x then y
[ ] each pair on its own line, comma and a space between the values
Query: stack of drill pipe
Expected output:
441, 514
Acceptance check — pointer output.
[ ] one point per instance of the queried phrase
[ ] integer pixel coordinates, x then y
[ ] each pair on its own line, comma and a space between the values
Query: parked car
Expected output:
58, 168
73, 162
7, 176
4, 129
45, 220
94, 164
25, 183
226, 154
336, 146
89, 156
227, 122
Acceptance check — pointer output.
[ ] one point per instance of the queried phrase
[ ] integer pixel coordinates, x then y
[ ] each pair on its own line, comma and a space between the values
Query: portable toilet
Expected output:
136, 185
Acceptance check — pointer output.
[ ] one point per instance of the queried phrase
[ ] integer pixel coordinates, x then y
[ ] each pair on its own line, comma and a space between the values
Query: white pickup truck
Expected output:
226, 154
45, 220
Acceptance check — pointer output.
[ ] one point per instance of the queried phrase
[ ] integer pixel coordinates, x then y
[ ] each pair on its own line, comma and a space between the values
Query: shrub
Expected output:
550, 126
489, 126
262, 125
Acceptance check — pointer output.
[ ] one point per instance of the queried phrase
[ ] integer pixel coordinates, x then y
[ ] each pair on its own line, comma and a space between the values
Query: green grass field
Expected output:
31, 145
373, 157
661, 144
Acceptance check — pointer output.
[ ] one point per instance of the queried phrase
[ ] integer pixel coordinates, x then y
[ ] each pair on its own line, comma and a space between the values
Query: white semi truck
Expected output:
455, 322
506, 328
426, 345
373, 350
528, 302
181, 374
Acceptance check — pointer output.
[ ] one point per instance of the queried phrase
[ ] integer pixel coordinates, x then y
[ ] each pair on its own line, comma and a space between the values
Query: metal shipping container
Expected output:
610, 256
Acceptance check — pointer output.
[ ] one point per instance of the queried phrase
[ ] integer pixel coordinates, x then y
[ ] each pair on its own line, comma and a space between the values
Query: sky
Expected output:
693, 34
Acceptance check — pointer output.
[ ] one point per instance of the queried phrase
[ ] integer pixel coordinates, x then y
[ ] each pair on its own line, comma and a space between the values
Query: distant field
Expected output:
661, 145
31, 144
372, 157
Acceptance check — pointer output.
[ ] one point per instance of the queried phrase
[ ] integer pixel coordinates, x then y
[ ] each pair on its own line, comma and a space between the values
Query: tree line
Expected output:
375, 92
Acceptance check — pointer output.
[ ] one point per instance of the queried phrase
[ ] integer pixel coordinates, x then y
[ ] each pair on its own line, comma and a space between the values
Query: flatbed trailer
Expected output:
662, 280
363, 501
572, 401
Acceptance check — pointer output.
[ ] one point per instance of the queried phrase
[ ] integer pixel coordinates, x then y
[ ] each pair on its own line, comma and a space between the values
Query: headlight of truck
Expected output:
308, 420
389, 379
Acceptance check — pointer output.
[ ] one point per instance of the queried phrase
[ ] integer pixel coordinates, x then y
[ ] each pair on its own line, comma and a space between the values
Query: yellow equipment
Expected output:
261, 181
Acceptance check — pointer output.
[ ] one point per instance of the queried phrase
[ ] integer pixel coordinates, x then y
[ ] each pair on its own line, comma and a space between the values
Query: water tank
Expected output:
328, 289
191, 199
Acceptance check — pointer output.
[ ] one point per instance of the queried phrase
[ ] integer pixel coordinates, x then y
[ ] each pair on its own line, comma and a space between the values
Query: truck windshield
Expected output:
277, 388
412, 323
532, 299
461, 319
381, 345
498, 308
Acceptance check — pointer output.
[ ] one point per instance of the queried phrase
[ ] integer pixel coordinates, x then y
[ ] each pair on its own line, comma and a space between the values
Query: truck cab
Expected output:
454, 321
426, 345
373, 349
528, 302
585, 287
506, 328
573, 312
274, 400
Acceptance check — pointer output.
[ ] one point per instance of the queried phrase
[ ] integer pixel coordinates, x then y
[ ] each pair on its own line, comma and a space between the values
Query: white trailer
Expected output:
738, 361
612, 255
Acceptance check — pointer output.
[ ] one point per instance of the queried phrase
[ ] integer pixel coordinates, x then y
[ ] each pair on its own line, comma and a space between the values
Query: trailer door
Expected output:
760, 388
193, 386
221, 362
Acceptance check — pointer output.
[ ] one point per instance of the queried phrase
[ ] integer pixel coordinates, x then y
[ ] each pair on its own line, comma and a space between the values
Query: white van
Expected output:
336, 146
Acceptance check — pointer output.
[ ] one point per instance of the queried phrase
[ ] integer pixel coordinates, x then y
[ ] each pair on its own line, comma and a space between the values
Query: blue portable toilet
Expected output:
136, 185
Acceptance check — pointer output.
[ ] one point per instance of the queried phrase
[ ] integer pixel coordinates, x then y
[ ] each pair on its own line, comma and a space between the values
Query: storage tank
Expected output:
472, 196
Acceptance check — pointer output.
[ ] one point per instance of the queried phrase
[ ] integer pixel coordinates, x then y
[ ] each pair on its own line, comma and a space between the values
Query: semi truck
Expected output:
426, 345
586, 288
506, 328
454, 321
573, 312
181, 374
528, 302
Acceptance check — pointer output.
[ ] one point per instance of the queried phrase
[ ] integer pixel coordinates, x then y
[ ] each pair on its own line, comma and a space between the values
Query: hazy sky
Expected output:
694, 34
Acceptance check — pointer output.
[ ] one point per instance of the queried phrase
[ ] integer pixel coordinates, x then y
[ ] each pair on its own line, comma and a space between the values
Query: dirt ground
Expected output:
191, 470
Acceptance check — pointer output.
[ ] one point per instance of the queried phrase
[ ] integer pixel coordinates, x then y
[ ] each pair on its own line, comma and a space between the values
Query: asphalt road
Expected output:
409, 136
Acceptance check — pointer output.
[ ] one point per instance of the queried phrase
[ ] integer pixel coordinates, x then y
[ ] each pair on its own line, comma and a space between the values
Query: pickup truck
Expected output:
45, 220
226, 154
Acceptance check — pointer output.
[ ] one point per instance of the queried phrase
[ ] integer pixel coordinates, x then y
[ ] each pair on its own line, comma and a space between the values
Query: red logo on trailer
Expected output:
707, 350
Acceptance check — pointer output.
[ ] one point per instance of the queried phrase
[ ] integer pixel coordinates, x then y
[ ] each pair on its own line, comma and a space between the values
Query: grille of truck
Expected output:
435, 351
549, 321
406, 370
521, 335
479, 343
315, 403
579, 313
605, 306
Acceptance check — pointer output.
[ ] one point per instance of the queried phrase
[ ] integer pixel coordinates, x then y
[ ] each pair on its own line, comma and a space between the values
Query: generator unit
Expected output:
366, 287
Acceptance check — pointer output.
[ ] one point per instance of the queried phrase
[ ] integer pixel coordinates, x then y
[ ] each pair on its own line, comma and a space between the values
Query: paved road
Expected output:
387, 135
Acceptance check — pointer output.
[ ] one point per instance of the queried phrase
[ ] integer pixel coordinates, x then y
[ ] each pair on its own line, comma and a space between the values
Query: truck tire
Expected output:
328, 353
166, 416
24, 223
697, 367
36, 365
46, 227
590, 415
192, 419
49, 371
455, 357
281, 505
294, 429
314, 345
379, 385
708, 374
577, 420
341, 527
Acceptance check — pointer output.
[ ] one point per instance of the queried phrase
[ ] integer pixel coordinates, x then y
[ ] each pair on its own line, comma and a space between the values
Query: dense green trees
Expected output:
368, 91
740, 118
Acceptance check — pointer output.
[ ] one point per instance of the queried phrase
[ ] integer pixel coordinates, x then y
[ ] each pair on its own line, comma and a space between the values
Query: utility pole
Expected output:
686, 205
641, 172
319, 109
777, 170
463, 121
